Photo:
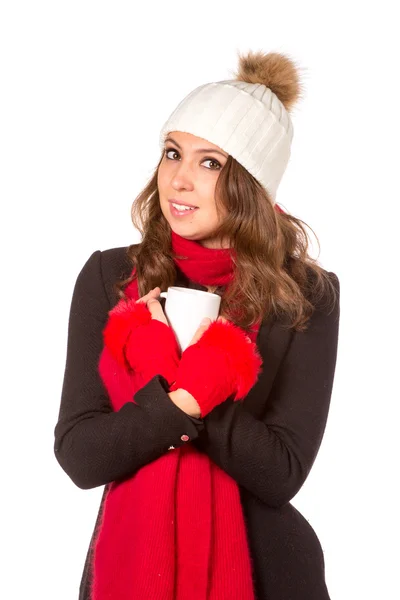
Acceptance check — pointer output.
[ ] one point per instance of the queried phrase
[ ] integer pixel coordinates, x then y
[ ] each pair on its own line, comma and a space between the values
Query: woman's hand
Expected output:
183, 399
139, 337
220, 362
154, 305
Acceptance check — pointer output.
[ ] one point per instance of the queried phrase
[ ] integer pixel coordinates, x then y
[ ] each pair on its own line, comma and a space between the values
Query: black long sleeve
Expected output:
94, 444
271, 458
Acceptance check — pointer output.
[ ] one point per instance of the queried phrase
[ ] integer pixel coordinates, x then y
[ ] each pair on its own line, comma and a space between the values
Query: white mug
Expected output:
185, 308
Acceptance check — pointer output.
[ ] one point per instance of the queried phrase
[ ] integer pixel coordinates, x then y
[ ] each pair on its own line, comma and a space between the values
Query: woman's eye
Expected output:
167, 150
212, 160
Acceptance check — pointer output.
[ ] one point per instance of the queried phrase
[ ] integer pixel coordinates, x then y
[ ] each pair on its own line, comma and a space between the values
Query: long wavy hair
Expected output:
273, 272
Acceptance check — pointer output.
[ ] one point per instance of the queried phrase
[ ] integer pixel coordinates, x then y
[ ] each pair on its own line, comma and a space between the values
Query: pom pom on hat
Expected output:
274, 70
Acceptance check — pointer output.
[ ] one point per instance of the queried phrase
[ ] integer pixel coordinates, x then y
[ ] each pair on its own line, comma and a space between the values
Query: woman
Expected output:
201, 452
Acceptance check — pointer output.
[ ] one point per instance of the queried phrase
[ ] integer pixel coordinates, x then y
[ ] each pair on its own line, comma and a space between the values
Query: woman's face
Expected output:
188, 173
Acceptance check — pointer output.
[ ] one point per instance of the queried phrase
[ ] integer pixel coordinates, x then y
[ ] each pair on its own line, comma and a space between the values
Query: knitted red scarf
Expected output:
174, 530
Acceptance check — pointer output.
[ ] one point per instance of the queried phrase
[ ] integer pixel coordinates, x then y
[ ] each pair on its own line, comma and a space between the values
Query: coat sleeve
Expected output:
94, 444
271, 458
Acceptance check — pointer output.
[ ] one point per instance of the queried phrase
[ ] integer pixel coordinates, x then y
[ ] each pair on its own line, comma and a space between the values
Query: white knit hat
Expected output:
247, 117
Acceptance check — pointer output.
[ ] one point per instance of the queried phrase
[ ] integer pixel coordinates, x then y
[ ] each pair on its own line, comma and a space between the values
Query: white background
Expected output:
85, 89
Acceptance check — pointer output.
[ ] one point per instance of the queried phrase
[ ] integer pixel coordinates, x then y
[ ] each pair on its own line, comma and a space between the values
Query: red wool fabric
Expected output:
175, 529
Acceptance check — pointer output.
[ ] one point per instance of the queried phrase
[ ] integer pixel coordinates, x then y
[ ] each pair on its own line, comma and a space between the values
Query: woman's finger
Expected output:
203, 328
156, 310
154, 293
200, 331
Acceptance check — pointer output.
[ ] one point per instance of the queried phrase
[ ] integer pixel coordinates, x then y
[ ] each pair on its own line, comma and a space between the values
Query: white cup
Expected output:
185, 308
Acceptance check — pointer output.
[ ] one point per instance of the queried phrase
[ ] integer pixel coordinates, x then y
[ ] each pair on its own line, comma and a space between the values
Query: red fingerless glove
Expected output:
224, 361
140, 343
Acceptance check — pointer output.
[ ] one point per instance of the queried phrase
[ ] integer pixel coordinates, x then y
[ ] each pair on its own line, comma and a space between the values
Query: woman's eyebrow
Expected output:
169, 139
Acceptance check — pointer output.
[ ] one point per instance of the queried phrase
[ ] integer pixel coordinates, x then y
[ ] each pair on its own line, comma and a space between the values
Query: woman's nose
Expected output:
183, 177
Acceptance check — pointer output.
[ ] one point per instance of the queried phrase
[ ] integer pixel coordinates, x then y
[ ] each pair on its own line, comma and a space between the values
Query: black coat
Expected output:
267, 443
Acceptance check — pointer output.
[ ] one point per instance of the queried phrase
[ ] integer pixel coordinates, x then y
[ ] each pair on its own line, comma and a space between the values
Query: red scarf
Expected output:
175, 530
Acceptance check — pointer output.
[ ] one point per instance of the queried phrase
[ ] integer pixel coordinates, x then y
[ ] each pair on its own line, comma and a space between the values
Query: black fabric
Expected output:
267, 443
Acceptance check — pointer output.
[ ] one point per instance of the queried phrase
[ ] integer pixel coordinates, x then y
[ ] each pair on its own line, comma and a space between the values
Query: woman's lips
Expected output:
181, 213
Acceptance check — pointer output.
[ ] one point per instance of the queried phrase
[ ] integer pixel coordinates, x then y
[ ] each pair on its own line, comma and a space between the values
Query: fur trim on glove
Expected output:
125, 316
244, 358
140, 343
223, 362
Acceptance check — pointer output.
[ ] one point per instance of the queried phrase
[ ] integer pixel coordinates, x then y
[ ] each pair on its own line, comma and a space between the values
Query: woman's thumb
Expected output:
204, 324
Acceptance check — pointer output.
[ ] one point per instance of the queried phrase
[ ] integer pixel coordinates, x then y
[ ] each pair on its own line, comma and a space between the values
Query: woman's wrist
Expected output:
186, 402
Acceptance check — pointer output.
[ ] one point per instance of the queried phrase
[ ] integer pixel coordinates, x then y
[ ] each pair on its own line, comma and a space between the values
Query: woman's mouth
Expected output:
182, 211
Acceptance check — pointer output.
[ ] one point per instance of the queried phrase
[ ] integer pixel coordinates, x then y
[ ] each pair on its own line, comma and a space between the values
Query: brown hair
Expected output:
273, 272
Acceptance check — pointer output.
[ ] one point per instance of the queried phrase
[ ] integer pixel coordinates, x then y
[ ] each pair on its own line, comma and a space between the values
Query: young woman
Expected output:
200, 452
